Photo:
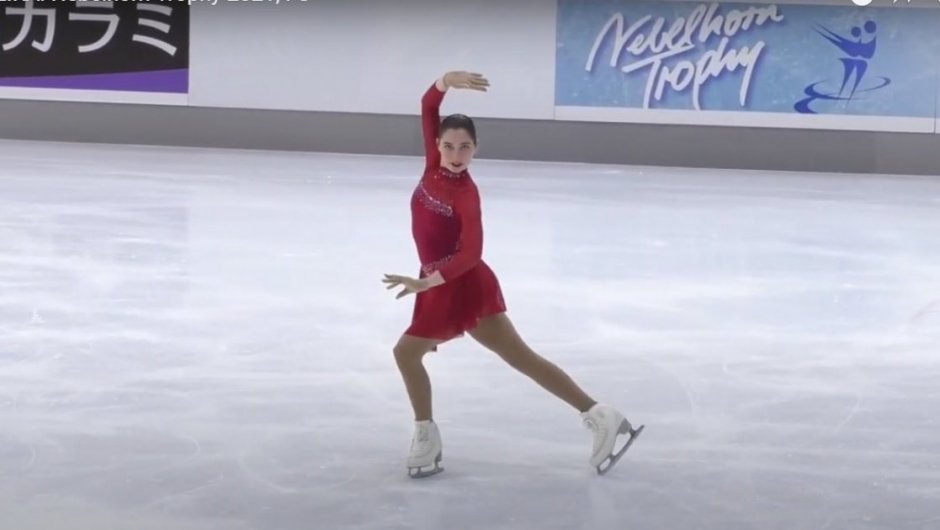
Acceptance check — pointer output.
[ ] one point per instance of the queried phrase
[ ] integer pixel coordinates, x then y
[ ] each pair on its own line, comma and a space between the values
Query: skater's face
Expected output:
457, 148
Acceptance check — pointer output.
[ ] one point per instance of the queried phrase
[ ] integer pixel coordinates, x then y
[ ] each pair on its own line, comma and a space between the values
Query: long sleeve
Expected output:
431, 123
470, 245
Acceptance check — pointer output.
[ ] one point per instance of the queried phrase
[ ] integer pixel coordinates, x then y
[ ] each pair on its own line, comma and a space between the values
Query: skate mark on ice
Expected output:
32, 457
167, 499
932, 307
932, 519
857, 379
685, 388
195, 443
852, 412
257, 477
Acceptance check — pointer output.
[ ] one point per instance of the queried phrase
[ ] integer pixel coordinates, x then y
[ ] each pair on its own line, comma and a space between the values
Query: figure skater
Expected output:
456, 292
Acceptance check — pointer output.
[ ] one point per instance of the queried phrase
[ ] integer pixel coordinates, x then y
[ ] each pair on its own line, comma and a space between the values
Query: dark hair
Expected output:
459, 121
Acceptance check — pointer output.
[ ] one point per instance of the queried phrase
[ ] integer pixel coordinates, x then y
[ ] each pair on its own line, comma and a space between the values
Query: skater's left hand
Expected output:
412, 285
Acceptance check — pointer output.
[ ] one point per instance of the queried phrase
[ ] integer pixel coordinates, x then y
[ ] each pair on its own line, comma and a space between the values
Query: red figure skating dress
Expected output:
447, 228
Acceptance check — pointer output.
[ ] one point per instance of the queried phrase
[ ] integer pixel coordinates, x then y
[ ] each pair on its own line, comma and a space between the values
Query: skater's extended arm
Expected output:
470, 246
469, 250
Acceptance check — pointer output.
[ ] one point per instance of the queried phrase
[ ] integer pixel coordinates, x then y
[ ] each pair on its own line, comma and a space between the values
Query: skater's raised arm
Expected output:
431, 121
431, 108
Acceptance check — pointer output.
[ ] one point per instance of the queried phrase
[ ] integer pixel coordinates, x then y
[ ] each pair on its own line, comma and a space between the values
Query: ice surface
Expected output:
199, 339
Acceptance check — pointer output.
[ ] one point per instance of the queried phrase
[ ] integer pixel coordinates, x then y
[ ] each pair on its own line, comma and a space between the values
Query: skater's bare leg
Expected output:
497, 334
409, 353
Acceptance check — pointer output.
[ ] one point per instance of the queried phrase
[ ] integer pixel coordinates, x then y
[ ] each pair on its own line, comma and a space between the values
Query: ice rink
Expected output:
199, 339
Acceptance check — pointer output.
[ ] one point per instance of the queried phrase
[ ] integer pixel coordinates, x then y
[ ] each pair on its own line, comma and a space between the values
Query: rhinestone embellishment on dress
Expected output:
433, 204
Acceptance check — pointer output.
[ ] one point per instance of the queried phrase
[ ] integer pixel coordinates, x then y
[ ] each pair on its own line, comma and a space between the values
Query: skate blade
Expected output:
418, 473
613, 459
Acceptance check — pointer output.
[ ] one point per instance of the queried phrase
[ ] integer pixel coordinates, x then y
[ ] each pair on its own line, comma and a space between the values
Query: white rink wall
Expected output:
346, 77
373, 56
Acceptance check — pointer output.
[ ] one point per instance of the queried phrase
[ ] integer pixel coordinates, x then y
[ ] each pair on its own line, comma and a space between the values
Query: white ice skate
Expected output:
426, 450
607, 424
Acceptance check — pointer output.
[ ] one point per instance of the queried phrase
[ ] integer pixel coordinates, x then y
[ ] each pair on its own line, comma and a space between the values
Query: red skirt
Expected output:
449, 310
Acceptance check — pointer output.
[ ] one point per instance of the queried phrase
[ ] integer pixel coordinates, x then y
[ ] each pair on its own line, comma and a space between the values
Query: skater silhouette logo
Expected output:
858, 51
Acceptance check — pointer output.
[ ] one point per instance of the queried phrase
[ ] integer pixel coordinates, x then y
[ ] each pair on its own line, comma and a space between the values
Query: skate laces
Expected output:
422, 438
423, 434
599, 431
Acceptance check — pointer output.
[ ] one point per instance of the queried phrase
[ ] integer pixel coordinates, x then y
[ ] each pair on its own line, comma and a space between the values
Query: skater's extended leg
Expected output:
497, 334
409, 353
607, 424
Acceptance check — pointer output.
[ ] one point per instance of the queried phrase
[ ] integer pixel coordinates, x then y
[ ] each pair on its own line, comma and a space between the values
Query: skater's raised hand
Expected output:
467, 80
411, 285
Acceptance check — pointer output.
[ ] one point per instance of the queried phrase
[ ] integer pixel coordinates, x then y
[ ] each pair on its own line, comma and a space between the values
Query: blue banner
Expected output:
752, 58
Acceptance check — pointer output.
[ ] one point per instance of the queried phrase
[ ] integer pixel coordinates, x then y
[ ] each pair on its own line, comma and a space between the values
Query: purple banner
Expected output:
171, 81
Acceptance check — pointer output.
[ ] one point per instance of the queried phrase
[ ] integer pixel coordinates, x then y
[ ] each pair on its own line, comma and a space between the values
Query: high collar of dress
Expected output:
443, 172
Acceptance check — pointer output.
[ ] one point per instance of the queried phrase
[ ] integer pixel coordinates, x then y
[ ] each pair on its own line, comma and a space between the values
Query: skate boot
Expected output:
606, 424
426, 450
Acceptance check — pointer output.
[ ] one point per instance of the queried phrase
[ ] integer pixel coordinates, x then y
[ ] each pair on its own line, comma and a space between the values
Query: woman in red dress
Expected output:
457, 292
